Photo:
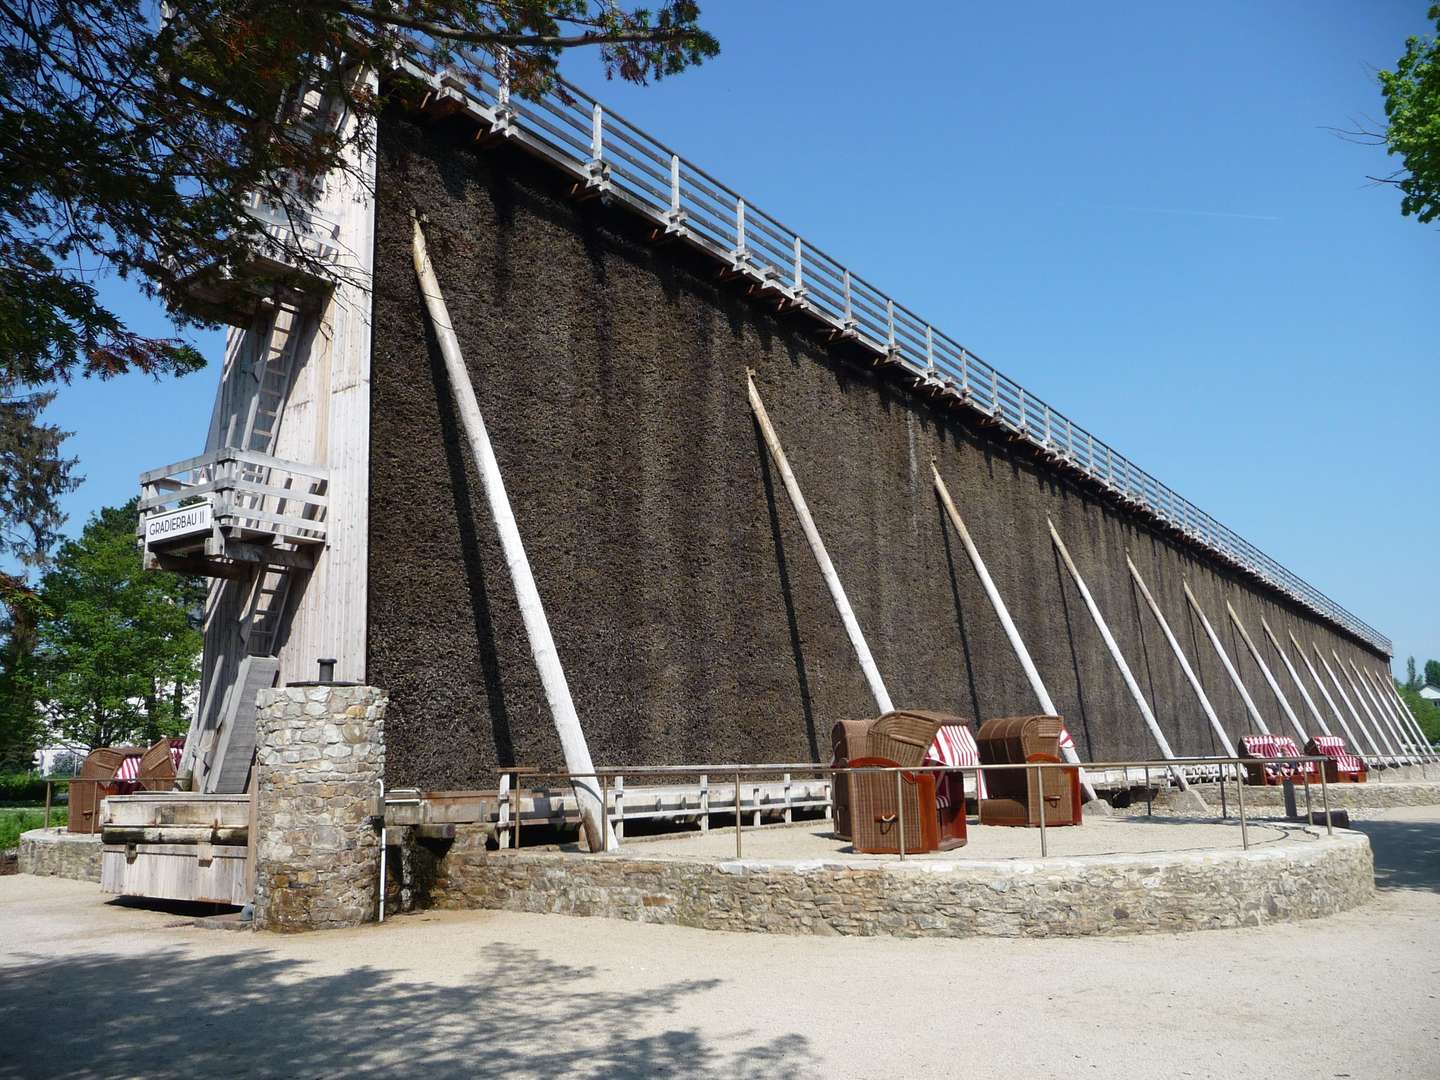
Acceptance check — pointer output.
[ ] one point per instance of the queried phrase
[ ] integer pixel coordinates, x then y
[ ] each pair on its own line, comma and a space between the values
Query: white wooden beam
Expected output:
1118, 657
1378, 754
1295, 677
1355, 745
1382, 718
532, 612
1387, 682
817, 548
1225, 660
1397, 716
1204, 699
1269, 677
1017, 643
1379, 728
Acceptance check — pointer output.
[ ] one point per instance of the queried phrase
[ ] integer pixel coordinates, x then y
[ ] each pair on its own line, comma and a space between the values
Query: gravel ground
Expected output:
105, 989
1098, 836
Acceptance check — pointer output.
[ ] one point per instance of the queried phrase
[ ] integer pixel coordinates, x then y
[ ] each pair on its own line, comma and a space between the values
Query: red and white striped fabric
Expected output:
177, 751
1333, 747
1066, 742
129, 768
1277, 746
953, 745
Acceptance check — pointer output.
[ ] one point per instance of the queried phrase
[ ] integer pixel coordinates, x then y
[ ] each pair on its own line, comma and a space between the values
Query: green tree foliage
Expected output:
1432, 673
20, 728
132, 146
1412, 680
1412, 132
115, 647
1427, 712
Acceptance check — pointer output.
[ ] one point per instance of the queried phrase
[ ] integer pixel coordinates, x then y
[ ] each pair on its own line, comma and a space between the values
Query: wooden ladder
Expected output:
270, 592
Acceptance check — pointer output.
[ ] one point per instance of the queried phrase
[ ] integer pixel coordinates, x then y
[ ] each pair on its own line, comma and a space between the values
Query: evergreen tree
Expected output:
115, 646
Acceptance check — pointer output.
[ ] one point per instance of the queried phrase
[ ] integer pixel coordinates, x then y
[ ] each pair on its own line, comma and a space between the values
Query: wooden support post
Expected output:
1384, 734
1269, 678
1017, 643
1295, 677
817, 548
1382, 717
532, 612
1205, 705
1125, 672
1378, 754
1355, 745
704, 803
1401, 715
1225, 660
1387, 683
1386, 716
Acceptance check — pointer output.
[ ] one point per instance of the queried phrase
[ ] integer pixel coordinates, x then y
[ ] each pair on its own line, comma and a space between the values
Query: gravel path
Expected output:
96, 989
1098, 836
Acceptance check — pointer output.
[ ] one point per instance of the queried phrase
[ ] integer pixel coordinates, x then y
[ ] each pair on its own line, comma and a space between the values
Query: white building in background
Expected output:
1430, 693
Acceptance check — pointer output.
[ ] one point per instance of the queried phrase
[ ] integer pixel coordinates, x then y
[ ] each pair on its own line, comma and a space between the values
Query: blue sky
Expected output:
1134, 210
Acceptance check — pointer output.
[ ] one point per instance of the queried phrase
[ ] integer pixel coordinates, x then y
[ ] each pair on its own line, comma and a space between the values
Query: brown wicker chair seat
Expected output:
1015, 794
874, 817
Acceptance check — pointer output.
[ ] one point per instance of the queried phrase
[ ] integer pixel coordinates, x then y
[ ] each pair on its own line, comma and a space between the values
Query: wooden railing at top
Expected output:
618, 160
248, 490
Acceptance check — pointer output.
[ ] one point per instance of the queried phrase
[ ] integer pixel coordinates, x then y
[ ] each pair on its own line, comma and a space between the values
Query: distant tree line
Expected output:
1426, 711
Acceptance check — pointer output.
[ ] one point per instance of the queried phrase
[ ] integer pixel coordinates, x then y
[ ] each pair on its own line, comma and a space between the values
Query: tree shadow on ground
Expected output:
1407, 853
518, 1014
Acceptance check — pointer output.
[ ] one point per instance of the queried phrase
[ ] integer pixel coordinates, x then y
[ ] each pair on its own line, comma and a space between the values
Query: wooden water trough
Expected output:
177, 845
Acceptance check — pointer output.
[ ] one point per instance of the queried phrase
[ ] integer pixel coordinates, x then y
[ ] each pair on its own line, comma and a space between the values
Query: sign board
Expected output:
187, 521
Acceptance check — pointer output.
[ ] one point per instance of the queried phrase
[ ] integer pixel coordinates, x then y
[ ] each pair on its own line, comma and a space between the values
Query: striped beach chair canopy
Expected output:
955, 745
129, 767
1333, 747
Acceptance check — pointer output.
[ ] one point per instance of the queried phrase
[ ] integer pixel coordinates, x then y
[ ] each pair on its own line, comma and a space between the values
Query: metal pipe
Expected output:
1205, 705
1125, 672
1325, 801
817, 548
384, 847
900, 812
739, 817
1225, 660
1017, 643
1240, 794
1040, 806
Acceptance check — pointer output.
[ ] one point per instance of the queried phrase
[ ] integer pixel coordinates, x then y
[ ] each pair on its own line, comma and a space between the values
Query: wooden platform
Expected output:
555, 805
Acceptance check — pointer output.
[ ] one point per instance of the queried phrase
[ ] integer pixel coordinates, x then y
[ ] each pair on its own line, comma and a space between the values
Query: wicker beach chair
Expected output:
899, 738
875, 821
1261, 770
1343, 766
1014, 795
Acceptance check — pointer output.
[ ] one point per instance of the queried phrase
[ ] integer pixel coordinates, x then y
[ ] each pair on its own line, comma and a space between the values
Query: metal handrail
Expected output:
604, 776
705, 213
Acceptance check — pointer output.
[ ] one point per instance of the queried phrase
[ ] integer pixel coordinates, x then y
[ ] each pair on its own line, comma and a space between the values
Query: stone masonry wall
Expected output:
320, 758
1056, 898
57, 853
